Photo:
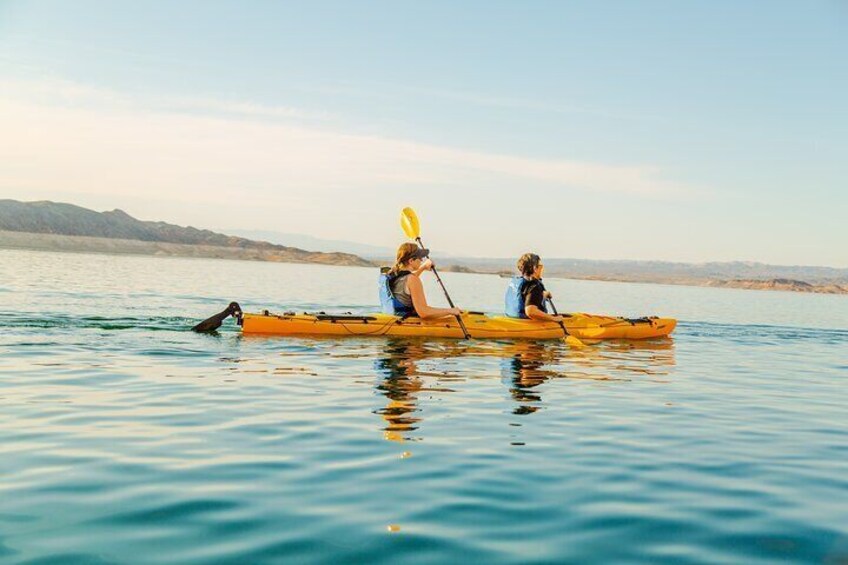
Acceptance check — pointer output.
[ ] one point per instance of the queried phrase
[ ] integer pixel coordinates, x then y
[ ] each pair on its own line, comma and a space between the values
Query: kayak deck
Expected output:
480, 326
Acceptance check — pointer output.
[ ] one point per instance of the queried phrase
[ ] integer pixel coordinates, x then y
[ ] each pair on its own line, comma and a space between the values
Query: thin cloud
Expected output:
522, 104
245, 109
53, 92
58, 133
388, 91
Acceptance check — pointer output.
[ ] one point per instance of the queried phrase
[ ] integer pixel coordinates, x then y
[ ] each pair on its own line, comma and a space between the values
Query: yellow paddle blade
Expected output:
591, 331
409, 223
574, 342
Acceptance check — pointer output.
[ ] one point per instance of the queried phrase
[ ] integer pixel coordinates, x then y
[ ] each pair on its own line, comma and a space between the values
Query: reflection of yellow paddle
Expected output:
411, 227
569, 339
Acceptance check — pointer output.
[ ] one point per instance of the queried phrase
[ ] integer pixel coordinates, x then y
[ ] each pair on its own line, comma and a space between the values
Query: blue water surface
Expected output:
125, 438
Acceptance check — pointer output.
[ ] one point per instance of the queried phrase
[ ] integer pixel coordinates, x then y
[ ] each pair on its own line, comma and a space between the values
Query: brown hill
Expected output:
781, 284
65, 227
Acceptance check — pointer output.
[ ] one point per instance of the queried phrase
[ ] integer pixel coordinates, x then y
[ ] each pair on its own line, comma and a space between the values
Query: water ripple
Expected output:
124, 437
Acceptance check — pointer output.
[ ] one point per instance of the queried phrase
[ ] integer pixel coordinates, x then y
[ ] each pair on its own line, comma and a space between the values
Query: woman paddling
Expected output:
526, 295
401, 291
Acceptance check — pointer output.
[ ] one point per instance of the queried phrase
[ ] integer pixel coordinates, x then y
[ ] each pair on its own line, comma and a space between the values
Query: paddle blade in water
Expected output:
409, 223
573, 341
590, 332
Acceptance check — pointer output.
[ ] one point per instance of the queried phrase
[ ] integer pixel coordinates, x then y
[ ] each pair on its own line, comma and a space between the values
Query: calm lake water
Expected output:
125, 438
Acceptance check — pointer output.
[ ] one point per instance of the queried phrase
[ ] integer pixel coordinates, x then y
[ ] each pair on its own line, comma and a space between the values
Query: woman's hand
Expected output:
455, 311
547, 294
426, 265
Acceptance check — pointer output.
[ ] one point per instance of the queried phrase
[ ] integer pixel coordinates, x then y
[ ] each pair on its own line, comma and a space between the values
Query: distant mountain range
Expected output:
316, 243
81, 229
738, 274
653, 271
66, 227
635, 271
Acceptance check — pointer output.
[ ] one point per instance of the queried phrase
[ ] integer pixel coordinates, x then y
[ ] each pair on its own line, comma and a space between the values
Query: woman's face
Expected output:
414, 263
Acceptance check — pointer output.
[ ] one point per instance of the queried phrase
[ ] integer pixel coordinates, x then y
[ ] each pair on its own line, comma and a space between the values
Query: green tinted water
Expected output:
126, 438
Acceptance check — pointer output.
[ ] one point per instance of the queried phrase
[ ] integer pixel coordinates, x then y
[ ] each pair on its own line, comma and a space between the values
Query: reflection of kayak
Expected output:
584, 326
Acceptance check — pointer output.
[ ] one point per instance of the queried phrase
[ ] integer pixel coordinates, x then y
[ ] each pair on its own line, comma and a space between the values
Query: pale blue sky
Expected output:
609, 130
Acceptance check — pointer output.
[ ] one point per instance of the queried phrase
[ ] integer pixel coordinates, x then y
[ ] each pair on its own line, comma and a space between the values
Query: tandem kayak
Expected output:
480, 326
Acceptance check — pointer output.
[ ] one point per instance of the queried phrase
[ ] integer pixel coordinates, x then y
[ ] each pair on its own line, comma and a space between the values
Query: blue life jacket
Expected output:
516, 290
388, 302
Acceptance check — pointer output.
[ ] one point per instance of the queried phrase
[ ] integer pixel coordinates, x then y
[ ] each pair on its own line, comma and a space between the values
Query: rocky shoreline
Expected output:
781, 284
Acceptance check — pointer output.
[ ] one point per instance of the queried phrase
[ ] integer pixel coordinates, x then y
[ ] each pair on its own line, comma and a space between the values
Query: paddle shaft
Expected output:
438, 278
561, 324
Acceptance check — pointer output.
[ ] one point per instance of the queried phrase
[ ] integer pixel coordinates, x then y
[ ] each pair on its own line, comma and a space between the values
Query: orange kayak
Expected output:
480, 326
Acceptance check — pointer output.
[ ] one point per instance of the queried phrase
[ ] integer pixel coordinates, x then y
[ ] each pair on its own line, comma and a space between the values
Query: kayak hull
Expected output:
480, 326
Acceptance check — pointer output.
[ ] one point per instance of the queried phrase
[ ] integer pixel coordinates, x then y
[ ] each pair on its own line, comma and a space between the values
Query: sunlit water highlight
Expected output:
126, 438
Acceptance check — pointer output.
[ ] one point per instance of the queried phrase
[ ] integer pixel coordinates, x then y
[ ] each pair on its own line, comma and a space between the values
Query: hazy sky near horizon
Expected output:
603, 130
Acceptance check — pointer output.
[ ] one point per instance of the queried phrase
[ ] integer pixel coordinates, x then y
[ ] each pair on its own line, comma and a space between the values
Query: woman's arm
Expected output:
426, 265
419, 301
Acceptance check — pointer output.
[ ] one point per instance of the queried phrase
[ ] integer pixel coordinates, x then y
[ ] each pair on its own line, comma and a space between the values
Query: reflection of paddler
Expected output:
400, 384
401, 380
525, 372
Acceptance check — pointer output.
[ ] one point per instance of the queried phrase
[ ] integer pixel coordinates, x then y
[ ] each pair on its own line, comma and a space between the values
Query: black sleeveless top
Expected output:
397, 284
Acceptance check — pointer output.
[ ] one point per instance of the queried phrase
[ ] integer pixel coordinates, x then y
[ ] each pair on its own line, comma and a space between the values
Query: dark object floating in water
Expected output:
214, 322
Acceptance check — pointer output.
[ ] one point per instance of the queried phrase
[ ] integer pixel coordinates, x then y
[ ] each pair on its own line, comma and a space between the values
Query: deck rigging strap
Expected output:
343, 318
